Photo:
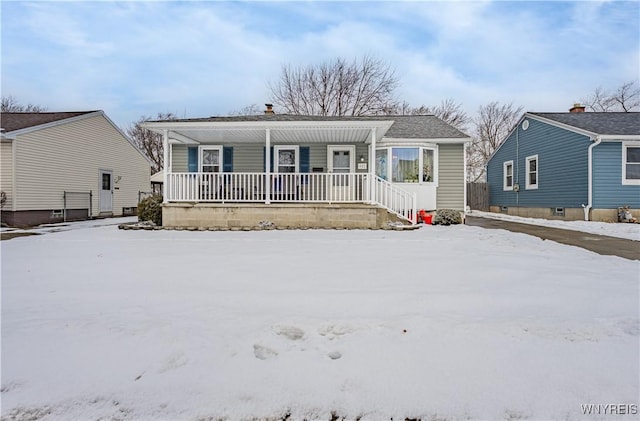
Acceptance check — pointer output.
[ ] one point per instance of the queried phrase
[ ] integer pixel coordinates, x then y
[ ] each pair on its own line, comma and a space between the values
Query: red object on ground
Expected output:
425, 217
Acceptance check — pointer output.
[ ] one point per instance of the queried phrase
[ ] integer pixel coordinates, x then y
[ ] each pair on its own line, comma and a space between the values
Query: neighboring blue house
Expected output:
575, 165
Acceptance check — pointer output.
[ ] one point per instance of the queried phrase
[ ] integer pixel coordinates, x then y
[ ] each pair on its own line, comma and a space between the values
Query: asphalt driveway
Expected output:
600, 244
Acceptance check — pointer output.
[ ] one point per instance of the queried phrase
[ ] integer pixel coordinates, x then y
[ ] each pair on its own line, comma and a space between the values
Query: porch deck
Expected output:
262, 191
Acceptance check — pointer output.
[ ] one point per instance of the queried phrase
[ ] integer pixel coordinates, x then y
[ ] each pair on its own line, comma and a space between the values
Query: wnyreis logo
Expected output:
609, 409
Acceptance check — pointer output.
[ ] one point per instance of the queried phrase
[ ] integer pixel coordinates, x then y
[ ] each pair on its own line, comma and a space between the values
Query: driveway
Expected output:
600, 244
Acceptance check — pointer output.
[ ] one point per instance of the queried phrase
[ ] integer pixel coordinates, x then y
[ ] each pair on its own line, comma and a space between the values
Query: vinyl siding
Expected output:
562, 167
69, 157
6, 173
608, 190
451, 183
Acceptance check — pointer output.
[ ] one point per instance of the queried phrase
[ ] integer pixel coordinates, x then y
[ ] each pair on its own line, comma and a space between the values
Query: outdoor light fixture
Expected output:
361, 158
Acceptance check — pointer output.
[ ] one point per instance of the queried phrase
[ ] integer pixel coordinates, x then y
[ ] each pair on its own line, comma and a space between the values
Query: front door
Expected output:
341, 162
106, 191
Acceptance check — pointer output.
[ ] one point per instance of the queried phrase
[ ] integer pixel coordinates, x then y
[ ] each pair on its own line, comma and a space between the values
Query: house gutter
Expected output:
589, 205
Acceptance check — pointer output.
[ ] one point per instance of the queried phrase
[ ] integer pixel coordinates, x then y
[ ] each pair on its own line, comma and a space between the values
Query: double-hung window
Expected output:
507, 174
631, 163
531, 163
287, 159
210, 159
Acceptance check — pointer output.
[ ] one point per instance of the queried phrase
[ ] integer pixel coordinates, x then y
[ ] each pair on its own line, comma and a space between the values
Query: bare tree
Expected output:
449, 111
11, 105
252, 109
625, 98
336, 88
493, 124
148, 142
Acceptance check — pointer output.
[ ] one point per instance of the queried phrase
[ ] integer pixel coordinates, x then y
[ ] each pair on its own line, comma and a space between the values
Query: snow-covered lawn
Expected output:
439, 323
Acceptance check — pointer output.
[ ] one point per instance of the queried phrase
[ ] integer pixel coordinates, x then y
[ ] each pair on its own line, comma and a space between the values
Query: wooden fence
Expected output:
478, 196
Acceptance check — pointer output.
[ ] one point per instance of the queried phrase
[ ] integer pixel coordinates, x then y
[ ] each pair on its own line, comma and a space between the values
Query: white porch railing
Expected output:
290, 188
395, 200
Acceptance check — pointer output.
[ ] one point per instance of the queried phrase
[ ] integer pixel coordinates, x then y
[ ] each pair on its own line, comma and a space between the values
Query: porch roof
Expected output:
284, 129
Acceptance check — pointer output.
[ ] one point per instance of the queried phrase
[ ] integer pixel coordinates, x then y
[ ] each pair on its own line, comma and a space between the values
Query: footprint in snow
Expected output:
263, 353
290, 332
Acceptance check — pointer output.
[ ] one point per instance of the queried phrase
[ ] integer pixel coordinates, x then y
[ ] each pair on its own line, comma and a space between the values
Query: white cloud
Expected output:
139, 58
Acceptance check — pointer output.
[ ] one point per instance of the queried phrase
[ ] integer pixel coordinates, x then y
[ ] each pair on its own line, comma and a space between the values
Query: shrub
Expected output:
150, 209
447, 217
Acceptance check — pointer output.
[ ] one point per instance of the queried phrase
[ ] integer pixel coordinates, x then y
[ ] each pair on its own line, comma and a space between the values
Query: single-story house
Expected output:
309, 171
60, 166
575, 165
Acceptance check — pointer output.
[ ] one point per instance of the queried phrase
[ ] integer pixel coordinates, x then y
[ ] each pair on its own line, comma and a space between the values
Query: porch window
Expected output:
507, 171
631, 163
287, 159
210, 159
532, 172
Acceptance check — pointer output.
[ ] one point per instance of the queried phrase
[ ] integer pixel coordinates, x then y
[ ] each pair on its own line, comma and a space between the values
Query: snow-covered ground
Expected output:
620, 230
439, 323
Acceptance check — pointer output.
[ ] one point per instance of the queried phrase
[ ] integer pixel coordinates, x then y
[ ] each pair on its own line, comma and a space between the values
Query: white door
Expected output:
341, 162
106, 191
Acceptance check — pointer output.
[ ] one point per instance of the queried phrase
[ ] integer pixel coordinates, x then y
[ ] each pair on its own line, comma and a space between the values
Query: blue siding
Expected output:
562, 167
608, 190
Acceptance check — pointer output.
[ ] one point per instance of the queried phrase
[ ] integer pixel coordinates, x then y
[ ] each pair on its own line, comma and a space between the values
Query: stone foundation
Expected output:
294, 215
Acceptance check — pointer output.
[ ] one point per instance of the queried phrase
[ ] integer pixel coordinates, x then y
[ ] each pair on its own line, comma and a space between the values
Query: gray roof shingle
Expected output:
599, 123
404, 127
16, 121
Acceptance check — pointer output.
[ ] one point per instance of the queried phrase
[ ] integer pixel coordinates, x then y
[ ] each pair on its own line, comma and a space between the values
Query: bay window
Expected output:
408, 164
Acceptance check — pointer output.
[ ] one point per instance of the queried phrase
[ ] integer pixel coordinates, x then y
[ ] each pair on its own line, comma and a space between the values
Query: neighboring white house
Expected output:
60, 166
309, 170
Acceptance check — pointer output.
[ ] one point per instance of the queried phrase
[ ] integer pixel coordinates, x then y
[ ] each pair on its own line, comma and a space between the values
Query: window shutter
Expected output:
304, 159
264, 159
227, 159
193, 159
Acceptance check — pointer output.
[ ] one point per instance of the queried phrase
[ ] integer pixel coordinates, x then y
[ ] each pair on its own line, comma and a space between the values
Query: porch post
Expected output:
372, 168
267, 167
167, 165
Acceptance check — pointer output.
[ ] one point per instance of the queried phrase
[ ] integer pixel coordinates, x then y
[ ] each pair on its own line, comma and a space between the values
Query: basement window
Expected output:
558, 211
58, 213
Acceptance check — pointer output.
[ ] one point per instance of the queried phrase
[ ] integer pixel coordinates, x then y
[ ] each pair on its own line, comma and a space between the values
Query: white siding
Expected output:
6, 173
451, 177
69, 157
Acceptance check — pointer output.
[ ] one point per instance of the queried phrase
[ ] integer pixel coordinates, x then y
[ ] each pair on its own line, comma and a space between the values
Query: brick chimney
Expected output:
269, 109
577, 108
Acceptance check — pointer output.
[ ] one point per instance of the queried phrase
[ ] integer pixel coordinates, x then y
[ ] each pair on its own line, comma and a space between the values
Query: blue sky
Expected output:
204, 58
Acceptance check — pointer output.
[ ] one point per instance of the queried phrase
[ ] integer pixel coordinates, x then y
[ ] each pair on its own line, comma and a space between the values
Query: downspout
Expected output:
517, 169
14, 192
464, 164
587, 208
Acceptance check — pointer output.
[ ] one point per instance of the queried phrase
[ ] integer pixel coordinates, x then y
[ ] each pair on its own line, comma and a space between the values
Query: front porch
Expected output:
295, 171
319, 200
